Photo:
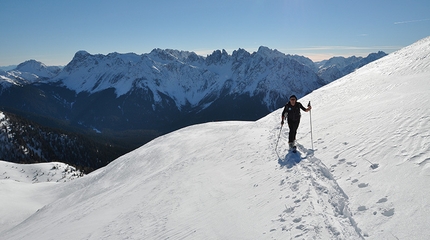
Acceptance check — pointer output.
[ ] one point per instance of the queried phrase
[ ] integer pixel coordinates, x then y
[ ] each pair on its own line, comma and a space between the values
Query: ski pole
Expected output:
279, 135
310, 117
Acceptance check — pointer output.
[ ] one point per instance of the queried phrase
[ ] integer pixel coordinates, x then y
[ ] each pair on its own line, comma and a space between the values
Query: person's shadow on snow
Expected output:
291, 159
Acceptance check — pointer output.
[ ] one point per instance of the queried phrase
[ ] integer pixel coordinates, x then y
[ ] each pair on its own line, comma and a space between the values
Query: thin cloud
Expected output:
325, 48
413, 21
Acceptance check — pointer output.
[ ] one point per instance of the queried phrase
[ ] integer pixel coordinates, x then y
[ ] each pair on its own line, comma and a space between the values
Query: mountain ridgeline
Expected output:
125, 100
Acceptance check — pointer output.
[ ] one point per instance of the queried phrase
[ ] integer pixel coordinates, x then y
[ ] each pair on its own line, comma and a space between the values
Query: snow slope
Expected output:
26, 188
367, 177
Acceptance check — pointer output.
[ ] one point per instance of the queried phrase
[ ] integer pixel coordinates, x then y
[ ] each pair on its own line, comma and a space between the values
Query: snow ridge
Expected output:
26, 188
40, 172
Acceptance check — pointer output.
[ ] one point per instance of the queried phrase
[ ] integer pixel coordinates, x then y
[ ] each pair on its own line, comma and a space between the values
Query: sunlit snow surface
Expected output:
367, 178
26, 188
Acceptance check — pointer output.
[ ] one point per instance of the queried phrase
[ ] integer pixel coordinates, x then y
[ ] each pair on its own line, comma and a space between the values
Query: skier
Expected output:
292, 113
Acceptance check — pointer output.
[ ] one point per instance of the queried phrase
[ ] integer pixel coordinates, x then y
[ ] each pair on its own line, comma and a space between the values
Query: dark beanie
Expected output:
293, 96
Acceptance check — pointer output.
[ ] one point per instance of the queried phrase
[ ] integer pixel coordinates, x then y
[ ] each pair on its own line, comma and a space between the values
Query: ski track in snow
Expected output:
316, 207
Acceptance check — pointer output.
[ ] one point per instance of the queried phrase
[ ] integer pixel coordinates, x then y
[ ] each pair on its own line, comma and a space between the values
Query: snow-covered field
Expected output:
26, 188
367, 177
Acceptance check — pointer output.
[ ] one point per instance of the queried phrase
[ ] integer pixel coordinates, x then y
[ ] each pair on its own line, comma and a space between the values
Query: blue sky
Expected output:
52, 31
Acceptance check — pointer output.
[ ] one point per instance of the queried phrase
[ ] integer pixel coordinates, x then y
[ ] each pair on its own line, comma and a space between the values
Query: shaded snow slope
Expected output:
367, 177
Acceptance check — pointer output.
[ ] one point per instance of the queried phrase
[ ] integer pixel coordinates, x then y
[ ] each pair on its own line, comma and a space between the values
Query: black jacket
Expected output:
292, 112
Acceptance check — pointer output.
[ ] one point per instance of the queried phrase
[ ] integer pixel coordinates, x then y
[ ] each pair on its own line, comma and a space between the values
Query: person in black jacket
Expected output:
292, 113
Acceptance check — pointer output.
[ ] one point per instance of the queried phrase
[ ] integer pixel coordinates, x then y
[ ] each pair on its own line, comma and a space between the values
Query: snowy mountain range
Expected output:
29, 72
187, 78
129, 99
338, 67
165, 80
366, 178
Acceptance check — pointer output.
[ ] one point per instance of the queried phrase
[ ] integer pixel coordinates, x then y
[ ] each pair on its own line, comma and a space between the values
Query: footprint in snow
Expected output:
363, 185
294, 187
289, 210
340, 161
388, 213
351, 164
382, 200
362, 208
301, 227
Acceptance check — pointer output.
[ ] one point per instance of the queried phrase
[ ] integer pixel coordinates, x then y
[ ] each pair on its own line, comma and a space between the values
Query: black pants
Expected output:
293, 125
